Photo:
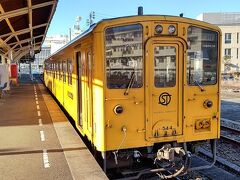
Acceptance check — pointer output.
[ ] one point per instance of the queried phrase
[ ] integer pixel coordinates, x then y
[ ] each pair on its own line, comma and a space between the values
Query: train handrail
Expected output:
214, 151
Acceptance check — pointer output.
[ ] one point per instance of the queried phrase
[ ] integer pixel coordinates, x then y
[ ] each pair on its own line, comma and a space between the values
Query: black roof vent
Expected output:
140, 10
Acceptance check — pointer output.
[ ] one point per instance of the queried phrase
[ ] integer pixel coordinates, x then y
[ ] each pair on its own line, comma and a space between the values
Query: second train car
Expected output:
141, 86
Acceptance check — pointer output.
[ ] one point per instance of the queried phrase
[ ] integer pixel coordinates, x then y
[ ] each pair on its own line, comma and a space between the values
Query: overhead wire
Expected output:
104, 15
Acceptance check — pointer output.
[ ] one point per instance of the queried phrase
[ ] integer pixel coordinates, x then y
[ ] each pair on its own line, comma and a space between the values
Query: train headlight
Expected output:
158, 29
118, 109
171, 29
208, 103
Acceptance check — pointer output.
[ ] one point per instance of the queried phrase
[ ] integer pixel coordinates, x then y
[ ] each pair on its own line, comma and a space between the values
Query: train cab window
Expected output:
202, 56
69, 70
165, 66
124, 56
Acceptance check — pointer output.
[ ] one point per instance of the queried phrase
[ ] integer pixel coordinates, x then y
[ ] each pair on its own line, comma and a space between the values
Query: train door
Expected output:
164, 62
79, 72
84, 61
201, 90
61, 87
64, 65
54, 79
89, 90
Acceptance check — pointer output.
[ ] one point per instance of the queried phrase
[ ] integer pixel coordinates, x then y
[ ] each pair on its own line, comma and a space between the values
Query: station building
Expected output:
51, 44
229, 23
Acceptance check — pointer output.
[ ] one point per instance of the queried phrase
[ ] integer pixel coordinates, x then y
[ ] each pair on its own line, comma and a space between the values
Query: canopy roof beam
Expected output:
24, 21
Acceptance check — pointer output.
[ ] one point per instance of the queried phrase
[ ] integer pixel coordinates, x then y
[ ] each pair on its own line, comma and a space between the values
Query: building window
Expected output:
228, 38
237, 38
227, 52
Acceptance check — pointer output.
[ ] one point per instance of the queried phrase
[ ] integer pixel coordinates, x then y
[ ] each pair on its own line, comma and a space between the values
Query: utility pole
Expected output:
70, 34
91, 18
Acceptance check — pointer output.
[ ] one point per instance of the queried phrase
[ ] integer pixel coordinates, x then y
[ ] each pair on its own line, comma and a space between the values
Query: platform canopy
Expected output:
23, 26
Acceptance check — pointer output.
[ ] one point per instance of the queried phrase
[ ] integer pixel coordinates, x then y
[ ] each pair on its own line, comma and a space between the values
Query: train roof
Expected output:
143, 18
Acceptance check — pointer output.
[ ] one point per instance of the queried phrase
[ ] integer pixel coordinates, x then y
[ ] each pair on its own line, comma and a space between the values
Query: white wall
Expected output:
4, 75
233, 45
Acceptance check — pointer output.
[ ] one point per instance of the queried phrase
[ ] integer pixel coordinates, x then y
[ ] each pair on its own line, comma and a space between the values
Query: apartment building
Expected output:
229, 23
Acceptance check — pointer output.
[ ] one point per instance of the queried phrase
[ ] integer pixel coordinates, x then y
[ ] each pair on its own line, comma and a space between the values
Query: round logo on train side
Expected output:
164, 99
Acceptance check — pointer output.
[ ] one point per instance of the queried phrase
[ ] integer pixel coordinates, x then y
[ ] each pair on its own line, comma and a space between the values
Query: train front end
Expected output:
161, 86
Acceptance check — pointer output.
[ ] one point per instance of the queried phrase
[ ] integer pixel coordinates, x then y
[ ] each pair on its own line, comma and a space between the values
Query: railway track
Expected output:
223, 169
230, 134
230, 131
152, 176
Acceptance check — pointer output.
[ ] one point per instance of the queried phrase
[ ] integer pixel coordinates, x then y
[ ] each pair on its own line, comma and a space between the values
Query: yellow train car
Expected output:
141, 85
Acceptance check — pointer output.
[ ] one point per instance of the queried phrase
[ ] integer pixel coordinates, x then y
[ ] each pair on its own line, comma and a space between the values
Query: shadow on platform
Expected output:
19, 108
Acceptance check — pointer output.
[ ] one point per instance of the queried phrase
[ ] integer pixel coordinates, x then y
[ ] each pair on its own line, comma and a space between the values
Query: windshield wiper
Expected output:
201, 87
130, 83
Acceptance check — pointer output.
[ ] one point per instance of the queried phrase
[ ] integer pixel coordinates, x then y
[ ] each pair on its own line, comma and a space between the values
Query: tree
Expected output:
226, 62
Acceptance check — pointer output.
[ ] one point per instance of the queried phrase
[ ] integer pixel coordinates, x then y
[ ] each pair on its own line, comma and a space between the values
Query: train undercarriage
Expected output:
165, 161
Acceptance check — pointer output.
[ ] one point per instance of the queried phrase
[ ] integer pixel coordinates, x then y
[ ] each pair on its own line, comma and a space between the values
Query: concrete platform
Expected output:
38, 142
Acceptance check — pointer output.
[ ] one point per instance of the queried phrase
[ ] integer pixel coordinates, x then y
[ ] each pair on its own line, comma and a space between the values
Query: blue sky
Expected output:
68, 10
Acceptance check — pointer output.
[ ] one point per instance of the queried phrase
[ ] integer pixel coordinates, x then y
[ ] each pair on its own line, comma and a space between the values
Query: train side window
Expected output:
202, 56
47, 68
64, 70
60, 70
50, 69
165, 66
89, 56
56, 70
124, 56
69, 70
